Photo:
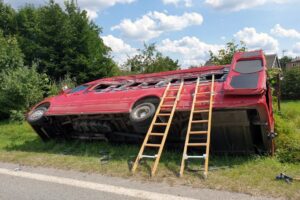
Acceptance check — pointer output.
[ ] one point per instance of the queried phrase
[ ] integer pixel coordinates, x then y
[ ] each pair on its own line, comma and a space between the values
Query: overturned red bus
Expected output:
121, 108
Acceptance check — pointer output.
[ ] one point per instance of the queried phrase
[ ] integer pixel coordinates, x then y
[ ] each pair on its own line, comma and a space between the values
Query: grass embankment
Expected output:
254, 175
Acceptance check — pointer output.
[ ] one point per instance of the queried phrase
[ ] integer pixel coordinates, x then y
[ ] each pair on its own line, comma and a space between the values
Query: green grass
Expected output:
253, 175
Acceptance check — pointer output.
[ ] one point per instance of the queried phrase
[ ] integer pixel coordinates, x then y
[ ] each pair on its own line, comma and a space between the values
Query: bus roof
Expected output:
206, 69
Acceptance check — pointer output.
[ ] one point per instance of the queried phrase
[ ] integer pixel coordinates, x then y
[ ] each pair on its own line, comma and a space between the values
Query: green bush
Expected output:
16, 116
287, 126
56, 86
291, 84
21, 88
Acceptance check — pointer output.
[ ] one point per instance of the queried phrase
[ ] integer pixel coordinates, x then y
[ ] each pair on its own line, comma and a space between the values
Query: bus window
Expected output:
190, 79
102, 87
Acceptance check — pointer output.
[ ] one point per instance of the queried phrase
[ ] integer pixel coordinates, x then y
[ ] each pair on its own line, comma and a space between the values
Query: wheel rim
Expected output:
37, 114
142, 112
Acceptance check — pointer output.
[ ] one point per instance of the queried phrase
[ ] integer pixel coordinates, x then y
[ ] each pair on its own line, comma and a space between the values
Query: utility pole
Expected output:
283, 52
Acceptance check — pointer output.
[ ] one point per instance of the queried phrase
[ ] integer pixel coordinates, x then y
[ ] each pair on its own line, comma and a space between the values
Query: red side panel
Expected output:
247, 75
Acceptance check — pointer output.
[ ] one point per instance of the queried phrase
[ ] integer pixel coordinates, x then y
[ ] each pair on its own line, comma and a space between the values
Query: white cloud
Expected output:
186, 3
91, 6
153, 24
255, 40
92, 14
120, 49
296, 48
190, 50
294, 51
236, 5
278, 30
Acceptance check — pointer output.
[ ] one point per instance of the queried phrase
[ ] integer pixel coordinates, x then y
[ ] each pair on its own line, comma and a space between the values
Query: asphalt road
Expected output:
29, 183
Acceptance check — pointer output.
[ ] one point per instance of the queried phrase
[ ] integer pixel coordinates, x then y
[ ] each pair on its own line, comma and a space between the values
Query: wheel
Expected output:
144, 110
142, 113
40, 123
37, 115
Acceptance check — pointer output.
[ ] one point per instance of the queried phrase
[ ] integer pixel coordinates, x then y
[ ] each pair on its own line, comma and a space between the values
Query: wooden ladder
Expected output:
193, 122
160, 112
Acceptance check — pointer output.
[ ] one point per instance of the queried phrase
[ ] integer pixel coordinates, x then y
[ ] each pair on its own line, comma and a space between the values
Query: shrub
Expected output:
16, 116
291, 84
21, 88
55, 87
287, 126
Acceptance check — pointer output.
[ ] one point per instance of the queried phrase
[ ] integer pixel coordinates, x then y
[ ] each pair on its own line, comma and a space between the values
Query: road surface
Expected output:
28, 183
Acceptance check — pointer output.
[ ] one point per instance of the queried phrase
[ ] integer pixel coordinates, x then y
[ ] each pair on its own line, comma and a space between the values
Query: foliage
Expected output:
284, 60
273, 75
287, 125
7, 19
291, 84
56, 86
150, 60
10, 53
224, 56
61, 41
16, 116
20, 89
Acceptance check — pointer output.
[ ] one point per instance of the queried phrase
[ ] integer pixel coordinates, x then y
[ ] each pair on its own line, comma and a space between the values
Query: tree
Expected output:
291, 84
7, 19
284, 60
150, 60
224, 56
63, 41
11, 55
27, 33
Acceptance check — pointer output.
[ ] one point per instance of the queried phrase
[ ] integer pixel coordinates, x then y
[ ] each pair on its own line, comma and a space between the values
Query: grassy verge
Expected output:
252, 175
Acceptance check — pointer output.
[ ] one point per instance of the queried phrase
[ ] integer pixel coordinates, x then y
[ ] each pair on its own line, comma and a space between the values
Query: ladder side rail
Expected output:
150, 129
209, 126
189, 128
166, 130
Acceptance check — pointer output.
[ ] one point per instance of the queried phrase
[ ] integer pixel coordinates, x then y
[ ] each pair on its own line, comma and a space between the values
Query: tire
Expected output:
142, 113
36, 117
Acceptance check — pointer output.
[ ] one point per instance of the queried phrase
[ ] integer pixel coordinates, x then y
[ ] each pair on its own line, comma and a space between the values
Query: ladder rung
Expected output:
163, 114
170, 97
204, 84
157, 134
160, 124
198, 132
167, 105
200, 111
148, 156
200, 121
197, 144
152, 145
187, 156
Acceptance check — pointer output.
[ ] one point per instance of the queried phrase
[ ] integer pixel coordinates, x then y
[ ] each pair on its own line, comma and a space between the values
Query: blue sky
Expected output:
187, 29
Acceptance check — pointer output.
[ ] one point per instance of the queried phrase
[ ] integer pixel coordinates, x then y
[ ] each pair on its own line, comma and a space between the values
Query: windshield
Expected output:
78, 89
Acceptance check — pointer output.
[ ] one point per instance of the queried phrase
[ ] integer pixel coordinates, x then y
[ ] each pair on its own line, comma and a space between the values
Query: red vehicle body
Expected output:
121, 108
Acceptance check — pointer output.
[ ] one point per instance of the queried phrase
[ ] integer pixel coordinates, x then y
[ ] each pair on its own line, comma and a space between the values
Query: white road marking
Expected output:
93, 186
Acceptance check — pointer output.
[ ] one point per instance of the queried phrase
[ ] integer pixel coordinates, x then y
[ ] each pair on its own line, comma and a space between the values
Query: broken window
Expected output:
190, 79
176, 80
135, 84
102, 87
